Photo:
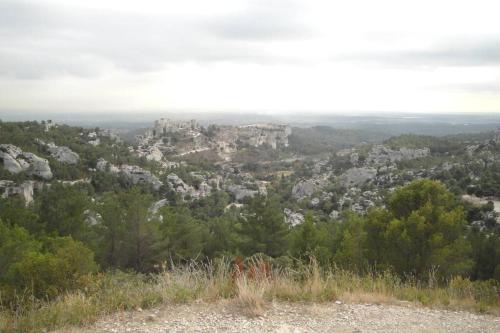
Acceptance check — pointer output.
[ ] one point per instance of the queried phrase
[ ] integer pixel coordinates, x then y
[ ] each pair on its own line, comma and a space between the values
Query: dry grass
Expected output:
366, 297
112, 292
250, 296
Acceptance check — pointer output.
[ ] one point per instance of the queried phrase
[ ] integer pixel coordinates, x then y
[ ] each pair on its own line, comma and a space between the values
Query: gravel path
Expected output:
294, 317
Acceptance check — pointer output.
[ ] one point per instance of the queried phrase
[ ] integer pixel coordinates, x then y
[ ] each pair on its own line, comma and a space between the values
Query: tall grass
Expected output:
118, 291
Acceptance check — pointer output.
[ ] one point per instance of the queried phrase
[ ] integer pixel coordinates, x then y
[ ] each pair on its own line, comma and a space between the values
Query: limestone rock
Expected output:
354, 158
151, 153
8, 154
334, 214
38, 166
103, 165
15, 161
12, 165
270, 134
155, 207
138, 175
9, 188
177, 184
381, 155
96, 142
357, 176
305, 188
240, 192
63, 154
314, 202
293, 218
164, 126
92, 217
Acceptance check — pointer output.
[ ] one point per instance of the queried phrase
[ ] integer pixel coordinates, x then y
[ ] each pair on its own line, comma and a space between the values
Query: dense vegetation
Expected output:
321, 139
422, 229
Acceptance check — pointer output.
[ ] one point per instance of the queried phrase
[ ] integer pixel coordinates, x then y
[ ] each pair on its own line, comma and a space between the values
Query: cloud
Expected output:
264, 20
490, 87
461, 53
40, 41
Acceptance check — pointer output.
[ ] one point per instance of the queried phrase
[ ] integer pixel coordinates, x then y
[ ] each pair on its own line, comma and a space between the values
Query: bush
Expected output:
43, 267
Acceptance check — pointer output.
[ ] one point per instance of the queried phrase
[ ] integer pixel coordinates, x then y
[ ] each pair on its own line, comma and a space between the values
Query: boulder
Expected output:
357, 176
293, 218
38, 166
314, 202
25, 190
381, 155
138, 175
12, 165
15, 161
102, 165
240, 192
305, 188
334, 214
178, 185
63, 154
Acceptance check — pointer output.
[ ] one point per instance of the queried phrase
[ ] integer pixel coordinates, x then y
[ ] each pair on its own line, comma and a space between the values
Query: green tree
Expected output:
486, 254
61, 208
375, 227
351, 253
263, 228
310, 240
141, 232
111, 231
182, 237
13, 211
427, 231
223, 237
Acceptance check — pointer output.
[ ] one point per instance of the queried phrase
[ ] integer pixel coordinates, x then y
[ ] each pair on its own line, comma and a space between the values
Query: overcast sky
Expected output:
264, 55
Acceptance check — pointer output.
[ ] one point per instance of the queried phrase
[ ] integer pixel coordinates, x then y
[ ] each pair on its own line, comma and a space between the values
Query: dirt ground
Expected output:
294, 317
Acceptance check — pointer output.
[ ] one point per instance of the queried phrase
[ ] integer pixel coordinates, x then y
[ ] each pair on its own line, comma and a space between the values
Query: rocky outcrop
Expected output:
164, 126
138, 175
134, 173
183, 137
265, 134
96, 142
151, 153
155, 207
305, 188
179, 186
10, 155
334, 215
91, 217
103, 165
240, 192
293, 218
381, 155
25, 190
16, 161
38, 166
357, 176
314, 202
63, 154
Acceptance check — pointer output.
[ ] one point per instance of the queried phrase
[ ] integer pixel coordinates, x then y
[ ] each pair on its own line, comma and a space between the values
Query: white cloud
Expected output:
250, 55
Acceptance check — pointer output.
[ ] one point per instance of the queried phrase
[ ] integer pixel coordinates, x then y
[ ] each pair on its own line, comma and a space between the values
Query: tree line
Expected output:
49, 246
